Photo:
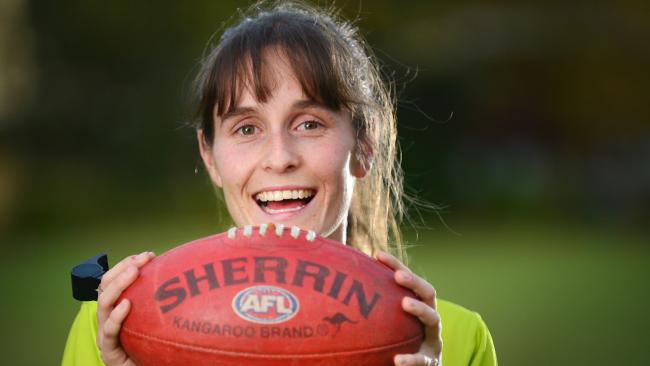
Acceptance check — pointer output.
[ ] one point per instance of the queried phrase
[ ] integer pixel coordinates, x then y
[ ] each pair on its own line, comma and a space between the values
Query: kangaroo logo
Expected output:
337, 320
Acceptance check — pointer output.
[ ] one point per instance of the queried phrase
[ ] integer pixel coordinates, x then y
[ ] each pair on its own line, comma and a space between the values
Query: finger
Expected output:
138, 260
405, 277
391, 261
112, 352
427, 315
417, 359
110, 294
431, 320
425, 291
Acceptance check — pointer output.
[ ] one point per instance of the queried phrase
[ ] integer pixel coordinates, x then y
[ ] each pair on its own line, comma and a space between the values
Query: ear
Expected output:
362, 159
208, 159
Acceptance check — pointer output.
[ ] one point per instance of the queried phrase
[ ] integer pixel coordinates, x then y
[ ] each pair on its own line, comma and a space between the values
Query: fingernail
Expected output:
151, 254
134, 257
407, 276
399, 360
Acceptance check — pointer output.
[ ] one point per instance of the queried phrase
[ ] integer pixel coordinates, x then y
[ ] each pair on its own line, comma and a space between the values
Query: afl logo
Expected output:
265, 304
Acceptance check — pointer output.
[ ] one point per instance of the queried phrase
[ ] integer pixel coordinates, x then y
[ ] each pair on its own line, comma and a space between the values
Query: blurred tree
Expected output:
545, 97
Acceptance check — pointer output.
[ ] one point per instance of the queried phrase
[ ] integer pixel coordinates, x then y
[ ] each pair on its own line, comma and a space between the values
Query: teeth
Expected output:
284, 195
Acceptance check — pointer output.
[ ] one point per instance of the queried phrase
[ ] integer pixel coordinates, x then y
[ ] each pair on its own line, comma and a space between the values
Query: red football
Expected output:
267, 295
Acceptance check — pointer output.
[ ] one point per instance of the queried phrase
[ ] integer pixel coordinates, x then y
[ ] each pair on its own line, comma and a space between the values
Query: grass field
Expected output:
550, 295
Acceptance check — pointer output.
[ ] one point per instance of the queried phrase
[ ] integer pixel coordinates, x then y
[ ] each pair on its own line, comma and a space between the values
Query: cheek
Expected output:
231, 167
332, 163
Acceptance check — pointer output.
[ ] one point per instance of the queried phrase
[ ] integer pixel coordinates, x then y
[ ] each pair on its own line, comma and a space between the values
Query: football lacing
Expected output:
247, 231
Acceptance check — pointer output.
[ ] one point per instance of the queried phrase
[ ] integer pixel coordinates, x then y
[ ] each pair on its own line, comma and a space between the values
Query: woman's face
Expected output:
289, 160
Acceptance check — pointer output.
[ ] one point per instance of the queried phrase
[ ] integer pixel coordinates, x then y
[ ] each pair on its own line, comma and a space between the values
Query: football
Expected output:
267, 295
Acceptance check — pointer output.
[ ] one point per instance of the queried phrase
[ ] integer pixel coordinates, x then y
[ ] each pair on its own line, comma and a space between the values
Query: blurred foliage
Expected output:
544, 103
511, 113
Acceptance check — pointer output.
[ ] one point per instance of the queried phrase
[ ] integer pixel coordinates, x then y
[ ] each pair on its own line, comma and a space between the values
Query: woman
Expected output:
297, 127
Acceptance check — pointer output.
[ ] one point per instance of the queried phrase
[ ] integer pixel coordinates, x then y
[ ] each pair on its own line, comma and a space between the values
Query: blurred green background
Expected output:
527, 122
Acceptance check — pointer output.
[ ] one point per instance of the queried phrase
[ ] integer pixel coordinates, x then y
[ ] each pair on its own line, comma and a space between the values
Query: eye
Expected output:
309, 125
246, 130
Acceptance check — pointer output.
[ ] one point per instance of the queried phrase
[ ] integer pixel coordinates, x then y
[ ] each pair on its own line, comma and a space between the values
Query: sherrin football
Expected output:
267, 295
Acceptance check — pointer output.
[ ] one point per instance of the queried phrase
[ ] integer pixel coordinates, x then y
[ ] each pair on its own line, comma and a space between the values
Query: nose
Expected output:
281, 153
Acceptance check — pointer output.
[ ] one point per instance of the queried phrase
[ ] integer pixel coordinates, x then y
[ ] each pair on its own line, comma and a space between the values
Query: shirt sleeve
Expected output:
484, 353
81, 347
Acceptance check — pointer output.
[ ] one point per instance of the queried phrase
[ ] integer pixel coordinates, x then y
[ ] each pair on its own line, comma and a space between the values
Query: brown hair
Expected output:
335, 68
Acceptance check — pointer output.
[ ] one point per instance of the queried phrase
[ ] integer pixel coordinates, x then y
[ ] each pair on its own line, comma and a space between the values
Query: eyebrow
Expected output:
237, 111
301, 104
305, 104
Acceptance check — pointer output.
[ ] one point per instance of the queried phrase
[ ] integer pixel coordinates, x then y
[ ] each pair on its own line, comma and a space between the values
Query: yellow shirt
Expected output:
466, 339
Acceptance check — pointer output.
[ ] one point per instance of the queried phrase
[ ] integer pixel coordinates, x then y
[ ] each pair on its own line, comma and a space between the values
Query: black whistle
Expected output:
86, 277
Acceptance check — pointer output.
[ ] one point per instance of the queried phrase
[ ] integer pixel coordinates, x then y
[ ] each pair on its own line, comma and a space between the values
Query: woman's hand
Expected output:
424, 308
109, 316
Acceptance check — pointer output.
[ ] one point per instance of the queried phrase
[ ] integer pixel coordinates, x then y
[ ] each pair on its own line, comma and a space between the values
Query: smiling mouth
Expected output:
275, 202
